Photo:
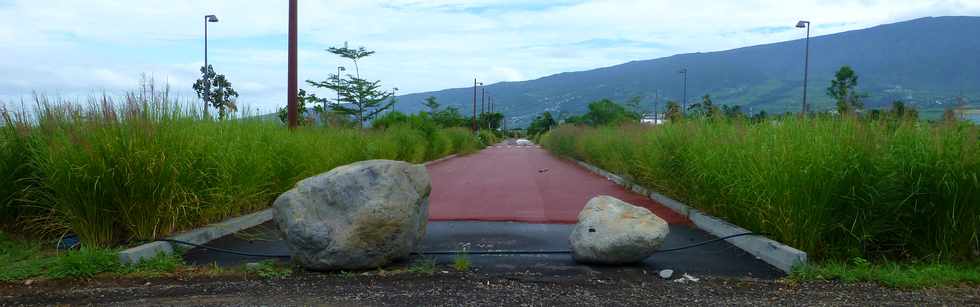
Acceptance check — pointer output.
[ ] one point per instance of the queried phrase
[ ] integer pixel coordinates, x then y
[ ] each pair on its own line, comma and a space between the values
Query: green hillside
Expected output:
929, 62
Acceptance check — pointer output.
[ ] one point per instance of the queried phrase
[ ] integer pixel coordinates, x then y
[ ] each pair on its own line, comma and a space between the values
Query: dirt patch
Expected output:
470, 289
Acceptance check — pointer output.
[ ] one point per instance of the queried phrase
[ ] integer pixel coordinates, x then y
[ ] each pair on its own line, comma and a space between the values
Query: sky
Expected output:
77, 49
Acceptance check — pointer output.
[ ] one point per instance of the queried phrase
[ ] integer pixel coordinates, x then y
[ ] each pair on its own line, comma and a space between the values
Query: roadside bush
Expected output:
837, 189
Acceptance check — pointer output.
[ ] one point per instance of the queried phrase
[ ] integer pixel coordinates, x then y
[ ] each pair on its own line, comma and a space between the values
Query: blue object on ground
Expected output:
69, 242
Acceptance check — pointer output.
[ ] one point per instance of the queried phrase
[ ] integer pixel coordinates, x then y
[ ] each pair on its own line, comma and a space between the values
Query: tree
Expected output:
732, 111
673, 111
901, 111
541, 124
635, 105
704, 108
491, 120
216, 90
300, 109
353, 54
432, 104
607, 112
843, 90
949, 115
359, 97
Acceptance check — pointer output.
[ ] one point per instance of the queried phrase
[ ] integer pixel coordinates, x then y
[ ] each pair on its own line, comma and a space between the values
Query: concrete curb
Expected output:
778, 255
209, 233
197, 236
440, 160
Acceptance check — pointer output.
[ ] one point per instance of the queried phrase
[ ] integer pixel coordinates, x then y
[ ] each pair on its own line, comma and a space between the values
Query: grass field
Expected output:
837, 189
114, 172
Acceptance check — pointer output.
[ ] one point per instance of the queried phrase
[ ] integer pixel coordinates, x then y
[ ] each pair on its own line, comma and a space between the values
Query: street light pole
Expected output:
339, 80
293, 80
207, 83
806, 63
684, 71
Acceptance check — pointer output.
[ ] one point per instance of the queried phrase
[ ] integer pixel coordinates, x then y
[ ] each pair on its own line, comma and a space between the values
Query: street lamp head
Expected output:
211, 18
802, 24
480, 83
341, 68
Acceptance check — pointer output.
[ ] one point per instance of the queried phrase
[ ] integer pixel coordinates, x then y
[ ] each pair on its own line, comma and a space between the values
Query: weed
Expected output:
346, 274
85, 263
270, 269
461, 261
423, 266
159, 264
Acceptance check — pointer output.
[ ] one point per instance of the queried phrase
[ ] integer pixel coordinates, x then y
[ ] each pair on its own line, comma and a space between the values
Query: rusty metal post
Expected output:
293, 83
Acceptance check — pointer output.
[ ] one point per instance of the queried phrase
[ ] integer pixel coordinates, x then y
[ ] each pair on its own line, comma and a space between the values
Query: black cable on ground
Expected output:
226, 251
492, 252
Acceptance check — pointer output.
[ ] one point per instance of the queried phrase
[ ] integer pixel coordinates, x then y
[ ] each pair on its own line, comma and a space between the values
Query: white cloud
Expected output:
75, 47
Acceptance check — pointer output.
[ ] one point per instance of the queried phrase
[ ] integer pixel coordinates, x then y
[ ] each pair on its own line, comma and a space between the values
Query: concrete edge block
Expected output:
214, 231
671, 203
779, 255
197, 236
439, 160
145, 251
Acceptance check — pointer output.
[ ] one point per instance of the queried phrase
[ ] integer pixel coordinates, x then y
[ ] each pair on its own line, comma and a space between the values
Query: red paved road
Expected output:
509, 184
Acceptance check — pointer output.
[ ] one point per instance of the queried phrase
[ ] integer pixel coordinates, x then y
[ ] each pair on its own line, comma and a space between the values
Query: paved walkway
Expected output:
522, 184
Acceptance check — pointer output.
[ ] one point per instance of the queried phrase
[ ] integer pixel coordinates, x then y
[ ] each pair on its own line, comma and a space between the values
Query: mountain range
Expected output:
931, 63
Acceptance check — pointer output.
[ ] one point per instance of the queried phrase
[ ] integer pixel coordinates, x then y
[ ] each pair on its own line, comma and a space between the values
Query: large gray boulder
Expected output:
610, 231
356, 216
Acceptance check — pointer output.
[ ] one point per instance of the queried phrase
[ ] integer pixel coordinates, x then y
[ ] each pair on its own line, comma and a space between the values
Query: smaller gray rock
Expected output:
610, 231
666, 274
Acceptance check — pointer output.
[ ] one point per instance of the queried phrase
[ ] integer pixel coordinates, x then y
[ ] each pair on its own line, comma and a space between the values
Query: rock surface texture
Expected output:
610, 231
356, 216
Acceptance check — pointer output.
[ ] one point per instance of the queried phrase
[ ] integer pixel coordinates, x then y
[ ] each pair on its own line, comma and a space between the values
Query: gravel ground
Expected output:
469, 289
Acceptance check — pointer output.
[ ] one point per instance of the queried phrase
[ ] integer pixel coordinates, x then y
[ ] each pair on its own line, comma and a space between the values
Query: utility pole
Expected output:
293, 82
490, 112
475, 127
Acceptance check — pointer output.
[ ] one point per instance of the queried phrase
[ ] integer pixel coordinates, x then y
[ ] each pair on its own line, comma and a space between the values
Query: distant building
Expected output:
651, 119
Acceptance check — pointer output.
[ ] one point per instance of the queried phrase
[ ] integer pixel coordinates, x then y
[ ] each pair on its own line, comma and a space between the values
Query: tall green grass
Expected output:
835, 188
144, 167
